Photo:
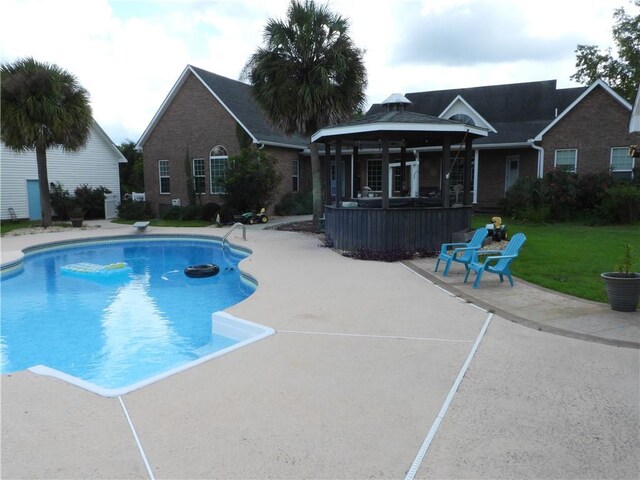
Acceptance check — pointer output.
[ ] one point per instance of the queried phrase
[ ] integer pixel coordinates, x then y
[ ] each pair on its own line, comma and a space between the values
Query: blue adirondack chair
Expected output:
461, 252
497, 261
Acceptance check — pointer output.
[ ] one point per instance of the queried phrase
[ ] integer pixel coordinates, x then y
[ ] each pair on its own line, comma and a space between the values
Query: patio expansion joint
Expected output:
136, 438
360, 335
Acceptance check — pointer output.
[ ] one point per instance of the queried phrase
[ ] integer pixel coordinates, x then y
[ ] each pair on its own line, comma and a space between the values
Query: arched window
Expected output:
218, 166
462, 118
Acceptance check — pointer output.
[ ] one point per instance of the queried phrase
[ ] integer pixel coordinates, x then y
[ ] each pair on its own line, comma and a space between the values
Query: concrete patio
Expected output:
358, 382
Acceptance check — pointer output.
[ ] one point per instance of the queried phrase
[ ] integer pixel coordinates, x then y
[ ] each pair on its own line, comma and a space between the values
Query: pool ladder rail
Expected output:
233, 227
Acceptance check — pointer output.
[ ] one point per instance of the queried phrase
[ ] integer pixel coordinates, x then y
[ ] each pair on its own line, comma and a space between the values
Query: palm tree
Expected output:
309, 74
43, 106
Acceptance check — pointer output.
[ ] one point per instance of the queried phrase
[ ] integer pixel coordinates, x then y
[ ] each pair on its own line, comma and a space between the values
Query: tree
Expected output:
309, 74
622, 70
250, 180
131, 173
43, 106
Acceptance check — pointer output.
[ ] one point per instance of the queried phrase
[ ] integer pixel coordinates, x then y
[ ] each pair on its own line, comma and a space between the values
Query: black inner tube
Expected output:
201, 271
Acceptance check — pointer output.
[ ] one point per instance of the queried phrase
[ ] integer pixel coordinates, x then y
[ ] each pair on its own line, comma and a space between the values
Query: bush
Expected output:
210, 211
592, 190
526, 196
250, 180
189, 212
130, 210
392, 255
621, 204
294, 203
91, 200
61, 201
560, 194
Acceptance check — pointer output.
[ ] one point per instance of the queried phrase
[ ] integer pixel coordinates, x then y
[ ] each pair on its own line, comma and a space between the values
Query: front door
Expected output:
33, 195
512, 171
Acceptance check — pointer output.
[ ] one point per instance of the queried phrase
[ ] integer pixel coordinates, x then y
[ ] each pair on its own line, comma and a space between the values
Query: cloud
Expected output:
129, 53
476, 33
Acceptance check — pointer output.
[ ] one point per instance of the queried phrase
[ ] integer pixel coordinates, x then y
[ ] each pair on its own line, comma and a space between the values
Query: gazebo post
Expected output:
403, 168
338, 171
446, 170
468, 152
355, 185
327, 172
385, 172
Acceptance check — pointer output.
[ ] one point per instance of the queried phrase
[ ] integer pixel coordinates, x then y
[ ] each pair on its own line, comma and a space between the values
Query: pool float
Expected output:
96, 271
201, 271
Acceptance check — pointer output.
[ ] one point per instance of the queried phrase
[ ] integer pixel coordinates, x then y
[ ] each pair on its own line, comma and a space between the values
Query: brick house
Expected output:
533, 128
207, 118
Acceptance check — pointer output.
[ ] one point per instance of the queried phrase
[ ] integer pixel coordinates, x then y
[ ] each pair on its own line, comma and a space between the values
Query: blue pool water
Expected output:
113, 328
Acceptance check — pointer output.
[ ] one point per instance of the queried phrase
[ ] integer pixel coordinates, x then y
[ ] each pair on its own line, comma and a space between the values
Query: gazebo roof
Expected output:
409, 128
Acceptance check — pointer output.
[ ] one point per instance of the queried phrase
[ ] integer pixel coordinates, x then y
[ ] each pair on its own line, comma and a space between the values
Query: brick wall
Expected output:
593, 127
197, 121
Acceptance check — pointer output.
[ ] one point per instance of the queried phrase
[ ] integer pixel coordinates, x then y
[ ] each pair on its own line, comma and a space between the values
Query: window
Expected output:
462, 118
218, 166
198, 175
163, 174
374, 175
295, 175
622, 163
566, 160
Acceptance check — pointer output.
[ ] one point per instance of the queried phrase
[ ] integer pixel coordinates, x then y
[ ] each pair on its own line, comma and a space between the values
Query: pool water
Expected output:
117, 326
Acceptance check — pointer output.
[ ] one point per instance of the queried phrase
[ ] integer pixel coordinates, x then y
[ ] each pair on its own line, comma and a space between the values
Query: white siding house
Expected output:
95, 165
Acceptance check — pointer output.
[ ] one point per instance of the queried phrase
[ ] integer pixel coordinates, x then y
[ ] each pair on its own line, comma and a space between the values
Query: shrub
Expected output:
621, 204
210, 211
130, 210
91, 200
560, 194
592, 190
61, 201
527, 195
392, 255
294, 203
250, 180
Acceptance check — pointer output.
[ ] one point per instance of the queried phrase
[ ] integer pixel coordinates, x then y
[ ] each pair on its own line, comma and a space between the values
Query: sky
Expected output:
129, 53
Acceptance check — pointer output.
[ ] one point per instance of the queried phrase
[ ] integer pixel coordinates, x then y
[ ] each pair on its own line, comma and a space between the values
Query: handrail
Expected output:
233, 227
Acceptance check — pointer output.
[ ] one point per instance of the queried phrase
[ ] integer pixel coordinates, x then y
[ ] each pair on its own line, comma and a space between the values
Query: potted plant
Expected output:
76, 214
623, 286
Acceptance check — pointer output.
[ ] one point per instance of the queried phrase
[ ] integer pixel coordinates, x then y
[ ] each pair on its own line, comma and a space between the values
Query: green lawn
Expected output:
569, 257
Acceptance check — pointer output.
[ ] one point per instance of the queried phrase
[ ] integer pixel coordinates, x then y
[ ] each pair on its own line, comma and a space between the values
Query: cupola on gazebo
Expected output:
411, 219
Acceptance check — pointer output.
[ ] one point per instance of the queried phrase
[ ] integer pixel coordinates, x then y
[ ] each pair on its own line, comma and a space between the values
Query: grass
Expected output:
8, 225
569, 257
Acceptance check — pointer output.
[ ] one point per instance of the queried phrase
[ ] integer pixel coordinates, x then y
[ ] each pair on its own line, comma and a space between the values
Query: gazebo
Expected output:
413, 219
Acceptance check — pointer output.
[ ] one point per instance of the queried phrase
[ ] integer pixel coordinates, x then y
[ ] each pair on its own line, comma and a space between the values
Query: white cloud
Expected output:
129, 53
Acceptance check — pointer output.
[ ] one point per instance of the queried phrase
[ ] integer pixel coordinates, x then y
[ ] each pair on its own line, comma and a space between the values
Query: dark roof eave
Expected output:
395, 130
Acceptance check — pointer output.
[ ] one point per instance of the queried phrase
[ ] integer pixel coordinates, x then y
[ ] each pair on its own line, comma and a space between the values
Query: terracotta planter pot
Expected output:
623, 291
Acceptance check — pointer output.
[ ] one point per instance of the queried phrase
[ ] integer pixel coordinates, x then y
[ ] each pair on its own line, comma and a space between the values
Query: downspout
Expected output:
540, 150
476, 167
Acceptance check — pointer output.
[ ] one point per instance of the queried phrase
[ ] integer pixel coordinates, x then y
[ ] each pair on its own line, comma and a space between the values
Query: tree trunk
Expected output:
316, 182
43, 181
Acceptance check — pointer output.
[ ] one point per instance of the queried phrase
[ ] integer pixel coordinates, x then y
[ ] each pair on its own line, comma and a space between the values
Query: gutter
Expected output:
540, 150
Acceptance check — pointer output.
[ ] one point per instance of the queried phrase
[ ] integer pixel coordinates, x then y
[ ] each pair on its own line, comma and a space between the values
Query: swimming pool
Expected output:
132, 318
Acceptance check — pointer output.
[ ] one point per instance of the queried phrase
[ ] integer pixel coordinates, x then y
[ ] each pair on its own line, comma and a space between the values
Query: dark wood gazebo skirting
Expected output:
407, 224
406, 229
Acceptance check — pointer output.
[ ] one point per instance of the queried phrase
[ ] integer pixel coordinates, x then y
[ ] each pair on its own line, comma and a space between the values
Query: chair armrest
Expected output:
498, 257
466, 248
447, 245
